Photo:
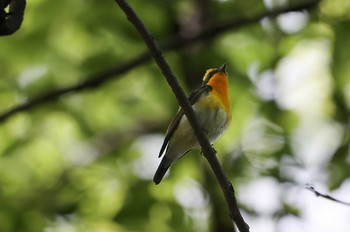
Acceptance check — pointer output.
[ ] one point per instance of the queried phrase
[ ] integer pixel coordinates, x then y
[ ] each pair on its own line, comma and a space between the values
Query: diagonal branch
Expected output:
175, 42
207, 149
326, 196
92, 81
236, 23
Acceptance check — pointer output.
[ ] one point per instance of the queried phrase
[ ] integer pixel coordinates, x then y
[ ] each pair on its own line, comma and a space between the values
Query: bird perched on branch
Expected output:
211, 103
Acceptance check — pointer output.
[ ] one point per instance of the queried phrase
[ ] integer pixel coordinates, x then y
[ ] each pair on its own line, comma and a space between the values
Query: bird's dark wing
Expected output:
192, 98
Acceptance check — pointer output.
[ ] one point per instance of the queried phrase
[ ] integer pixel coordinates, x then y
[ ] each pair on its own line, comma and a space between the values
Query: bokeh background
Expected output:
85, 161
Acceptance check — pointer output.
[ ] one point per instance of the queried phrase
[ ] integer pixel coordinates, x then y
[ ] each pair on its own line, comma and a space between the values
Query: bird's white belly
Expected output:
213, 121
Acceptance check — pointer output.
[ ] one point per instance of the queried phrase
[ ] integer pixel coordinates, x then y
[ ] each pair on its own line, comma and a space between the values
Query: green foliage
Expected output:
85, 161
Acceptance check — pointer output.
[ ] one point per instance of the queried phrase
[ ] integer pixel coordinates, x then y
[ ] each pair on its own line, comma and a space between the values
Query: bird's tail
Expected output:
163, 167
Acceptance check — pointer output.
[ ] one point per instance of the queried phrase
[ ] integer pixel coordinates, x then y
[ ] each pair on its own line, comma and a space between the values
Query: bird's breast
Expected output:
212, 115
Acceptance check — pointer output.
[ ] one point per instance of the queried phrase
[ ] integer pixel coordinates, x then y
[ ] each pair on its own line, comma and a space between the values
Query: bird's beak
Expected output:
222, 68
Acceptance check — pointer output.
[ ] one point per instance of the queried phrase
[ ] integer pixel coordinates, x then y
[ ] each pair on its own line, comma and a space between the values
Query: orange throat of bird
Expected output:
219, 84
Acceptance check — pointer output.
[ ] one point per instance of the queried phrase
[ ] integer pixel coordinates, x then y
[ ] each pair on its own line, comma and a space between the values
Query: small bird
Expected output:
211, 103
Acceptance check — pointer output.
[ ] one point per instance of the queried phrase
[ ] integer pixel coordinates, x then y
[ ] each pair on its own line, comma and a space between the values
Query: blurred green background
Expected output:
85, 161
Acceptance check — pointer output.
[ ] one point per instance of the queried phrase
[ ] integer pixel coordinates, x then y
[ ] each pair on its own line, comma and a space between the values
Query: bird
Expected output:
211, 104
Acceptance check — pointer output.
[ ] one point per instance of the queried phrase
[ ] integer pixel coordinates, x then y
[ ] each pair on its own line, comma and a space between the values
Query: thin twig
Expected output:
326, 196
207, 149
175, 42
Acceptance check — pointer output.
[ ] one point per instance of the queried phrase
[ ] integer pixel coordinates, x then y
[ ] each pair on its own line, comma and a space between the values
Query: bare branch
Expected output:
175, 42
326, 196
92, 81
207, 149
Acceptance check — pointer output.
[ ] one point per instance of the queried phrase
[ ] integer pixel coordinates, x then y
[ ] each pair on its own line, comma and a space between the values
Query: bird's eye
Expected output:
209, 74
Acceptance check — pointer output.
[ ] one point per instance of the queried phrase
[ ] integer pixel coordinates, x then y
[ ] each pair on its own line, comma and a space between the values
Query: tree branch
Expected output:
92, 81
207, 149
174, 42
235, 23
326, 196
